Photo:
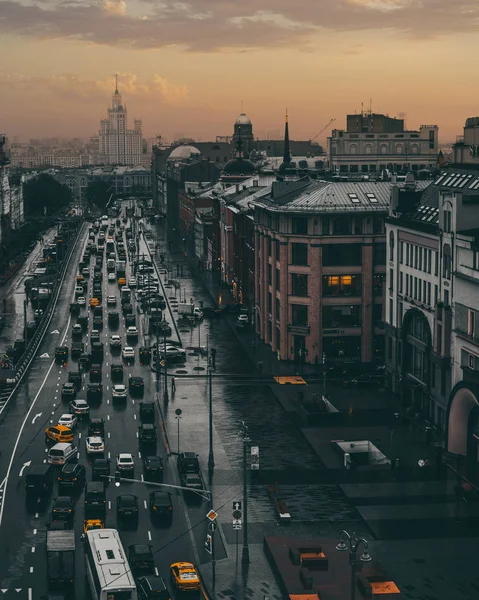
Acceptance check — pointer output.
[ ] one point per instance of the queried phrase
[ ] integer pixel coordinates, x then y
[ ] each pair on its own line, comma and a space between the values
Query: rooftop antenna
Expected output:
362, 108
370, 106
242, 107
116, 83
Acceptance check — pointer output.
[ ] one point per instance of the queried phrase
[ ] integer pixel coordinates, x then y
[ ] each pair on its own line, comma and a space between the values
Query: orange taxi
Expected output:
94, 302
58, 434
185, 577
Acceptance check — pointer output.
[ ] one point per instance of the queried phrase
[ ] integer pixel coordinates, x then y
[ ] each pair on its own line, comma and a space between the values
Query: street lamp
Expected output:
246, 440
352, 543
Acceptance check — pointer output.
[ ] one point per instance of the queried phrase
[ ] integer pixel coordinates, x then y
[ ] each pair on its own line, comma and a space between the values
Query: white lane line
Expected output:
79, 436
109, 435
34, 532
109, 455
149, 536
31, 569
107, 388
108, 417
30, 594
133, 401
134, 416
145, 504
33, 549
141, 477
137, 434
36, 515
108, 401
139, 454
44, 461
156, 572
78, 455
109, 504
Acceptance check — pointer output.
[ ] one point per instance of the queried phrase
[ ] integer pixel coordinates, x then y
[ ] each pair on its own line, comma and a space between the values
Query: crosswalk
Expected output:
5, 394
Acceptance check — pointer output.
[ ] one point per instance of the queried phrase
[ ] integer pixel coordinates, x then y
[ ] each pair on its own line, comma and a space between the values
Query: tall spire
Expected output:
287, 153
116, 84
239, 144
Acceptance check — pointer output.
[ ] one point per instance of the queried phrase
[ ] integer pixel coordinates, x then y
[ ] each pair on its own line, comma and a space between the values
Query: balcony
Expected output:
303, 329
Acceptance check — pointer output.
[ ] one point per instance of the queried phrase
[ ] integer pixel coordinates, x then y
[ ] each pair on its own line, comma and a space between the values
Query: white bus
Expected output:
107, 568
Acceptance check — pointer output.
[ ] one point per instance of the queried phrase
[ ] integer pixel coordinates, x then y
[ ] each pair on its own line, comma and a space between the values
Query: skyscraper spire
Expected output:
116, 84
287, 153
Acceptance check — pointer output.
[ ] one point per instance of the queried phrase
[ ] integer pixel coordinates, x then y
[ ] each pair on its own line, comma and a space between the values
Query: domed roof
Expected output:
242, 120
184, 152
239, 166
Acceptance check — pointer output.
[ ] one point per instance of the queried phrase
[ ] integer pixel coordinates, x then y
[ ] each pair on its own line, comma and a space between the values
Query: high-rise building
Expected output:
119, 145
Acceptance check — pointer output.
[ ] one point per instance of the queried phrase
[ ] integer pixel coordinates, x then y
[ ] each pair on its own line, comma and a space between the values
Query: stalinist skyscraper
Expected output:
117, 144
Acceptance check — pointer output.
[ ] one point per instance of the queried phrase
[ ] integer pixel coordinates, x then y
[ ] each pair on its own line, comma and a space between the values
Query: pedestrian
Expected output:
173, 385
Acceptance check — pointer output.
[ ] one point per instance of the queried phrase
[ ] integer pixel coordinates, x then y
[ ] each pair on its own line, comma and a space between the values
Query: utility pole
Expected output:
211, 458
246, 440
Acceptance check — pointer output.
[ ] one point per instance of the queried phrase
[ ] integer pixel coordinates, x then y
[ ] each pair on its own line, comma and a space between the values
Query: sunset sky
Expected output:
185, 66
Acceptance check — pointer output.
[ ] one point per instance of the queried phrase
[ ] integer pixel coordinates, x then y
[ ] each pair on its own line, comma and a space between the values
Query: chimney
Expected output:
394, 200
237, 188
393, 179
410, 182
255, 183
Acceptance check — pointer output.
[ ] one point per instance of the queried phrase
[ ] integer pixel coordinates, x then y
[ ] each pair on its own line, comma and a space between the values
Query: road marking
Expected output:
156, 572
137, 434
133, 401
46, 449
79, 435
107, 388
108, 417
109, 455
36, 417
36, 515
134, 416
109, 504
31, 569
145, 504
30, 594
78, 455
139, 454
33, 549
141, 477
25, 465
44, 461
149, 535
34, 532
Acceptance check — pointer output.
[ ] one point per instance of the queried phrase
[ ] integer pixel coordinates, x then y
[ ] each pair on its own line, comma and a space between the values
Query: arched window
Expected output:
398, 148
391, 245
384, 149
353, 149
414, 149
367, 149
447, 259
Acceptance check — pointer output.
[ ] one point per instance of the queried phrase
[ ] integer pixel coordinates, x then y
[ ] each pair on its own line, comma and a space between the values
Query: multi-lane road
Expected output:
22, 444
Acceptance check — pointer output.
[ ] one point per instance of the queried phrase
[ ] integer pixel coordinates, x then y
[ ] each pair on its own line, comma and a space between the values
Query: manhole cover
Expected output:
181, 372
198, 368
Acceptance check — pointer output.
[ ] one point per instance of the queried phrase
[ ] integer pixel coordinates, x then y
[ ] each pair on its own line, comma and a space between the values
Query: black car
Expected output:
147, 433
72, 476
96, 427
77, 349
161, 505
117, 372
97, 351
61, 353
152, 588
130, 320
68, 391
188, 463
100, 470
127, 308
113, 319
145, 355
98, 322
94, 391
127, 506
83, 322
141, 559
84, 360
75, 378
136, 386
153, 468
63, 509
95, 374
147, 412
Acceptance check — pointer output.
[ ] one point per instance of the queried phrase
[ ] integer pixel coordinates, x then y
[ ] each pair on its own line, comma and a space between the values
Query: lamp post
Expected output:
211, 458
165, 394
246, 440
352, 543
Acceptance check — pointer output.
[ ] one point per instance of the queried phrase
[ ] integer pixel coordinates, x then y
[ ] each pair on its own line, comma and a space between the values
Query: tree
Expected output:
45, 196
98, 192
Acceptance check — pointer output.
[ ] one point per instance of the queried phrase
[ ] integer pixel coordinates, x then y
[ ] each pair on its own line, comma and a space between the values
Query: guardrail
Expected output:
27, 357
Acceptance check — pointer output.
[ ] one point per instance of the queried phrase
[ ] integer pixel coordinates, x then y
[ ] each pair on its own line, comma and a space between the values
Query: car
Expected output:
91, 524
153, 468
113, 319
72, 476
161, 504
68, 391
63, 509
61, 353
132, 283
58, 434
78, 349
83, 322
95, 374
136, 385
145, 355
152, 588
77, 330
68, 420
118, 392
111, 301
94, 391
130, 320
111, 277
79, 290
94, 336
140, 557
61, 453
84, 360
243, 318
98, 322
96, 427
80, 407
116, 372
147, 433
95, 445
188, 462
74, 377
100, 470
184, 577
125, 462
128, 353
132, 332
115, 341
85, 272
95, 301
127, 506
81, 300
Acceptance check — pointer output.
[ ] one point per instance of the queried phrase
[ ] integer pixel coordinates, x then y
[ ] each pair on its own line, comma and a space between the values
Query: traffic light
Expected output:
117, 478
209, 544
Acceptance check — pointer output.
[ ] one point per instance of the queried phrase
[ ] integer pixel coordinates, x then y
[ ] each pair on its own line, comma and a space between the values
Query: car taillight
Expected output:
59, 479
170, 508
75, 479
155, 508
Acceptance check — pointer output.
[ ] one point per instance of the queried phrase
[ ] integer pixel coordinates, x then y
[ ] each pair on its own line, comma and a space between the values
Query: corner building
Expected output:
320, 256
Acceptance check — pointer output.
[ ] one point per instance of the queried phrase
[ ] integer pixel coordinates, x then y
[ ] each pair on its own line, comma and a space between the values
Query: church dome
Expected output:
242, 120
183, 152
239, 166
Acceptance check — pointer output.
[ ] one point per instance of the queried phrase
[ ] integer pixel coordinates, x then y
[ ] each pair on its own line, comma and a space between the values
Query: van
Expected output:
95, 498
61, 453
39, 481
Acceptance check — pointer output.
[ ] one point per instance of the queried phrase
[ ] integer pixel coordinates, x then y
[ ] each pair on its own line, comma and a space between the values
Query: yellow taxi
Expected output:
94, 302
90, 524
80, 279
58, 434
185, 577
122, 281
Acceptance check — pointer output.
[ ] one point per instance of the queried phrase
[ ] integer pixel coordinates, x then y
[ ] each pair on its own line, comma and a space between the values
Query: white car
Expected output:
131, 331
115, 341
80, 407
111, 277
94, 445
243, 319
132, 283
78, 290
119, 391
111, 301
81, 300
68, 421
128, 352
125, 462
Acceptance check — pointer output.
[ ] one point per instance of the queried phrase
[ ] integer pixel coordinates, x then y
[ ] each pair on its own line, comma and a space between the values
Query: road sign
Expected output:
212, 515
209, 544
236, 505
212, 526
236, 514
237, 524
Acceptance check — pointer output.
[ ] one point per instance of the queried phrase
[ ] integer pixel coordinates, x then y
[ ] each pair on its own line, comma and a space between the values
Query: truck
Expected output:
60, 557
120, 268
186, 310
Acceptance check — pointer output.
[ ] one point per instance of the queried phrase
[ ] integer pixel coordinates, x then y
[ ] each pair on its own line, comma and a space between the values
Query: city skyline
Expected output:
187, 68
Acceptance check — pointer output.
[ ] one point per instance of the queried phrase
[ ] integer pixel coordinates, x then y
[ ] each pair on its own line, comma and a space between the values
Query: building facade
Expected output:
11, 201
466, 149
320, 256
372, 143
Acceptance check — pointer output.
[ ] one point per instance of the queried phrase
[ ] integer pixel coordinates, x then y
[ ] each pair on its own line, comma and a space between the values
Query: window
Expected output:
299, 284
299, 254
371, 197
436, 263
429, 293
342, 316
419, 289
341, 285
416, 252
270, 303
420, 258
377, 314
342, 226
446, 271
436, 294
446, 297
400, 315
299, 314
424, 289
447, 221
401, 252
391, 280
475, 260
300, 225
379, 254
391, 245
400, 282
378, 225
407, 255
268, 242
471, 323
278, 279
277, 305
407, 284
354, 198
378, 283
270, 274
357, 226
342, 255
325, 225
415, 288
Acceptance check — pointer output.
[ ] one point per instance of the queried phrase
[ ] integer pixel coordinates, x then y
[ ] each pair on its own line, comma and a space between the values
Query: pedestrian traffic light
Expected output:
209, 544
117, 478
